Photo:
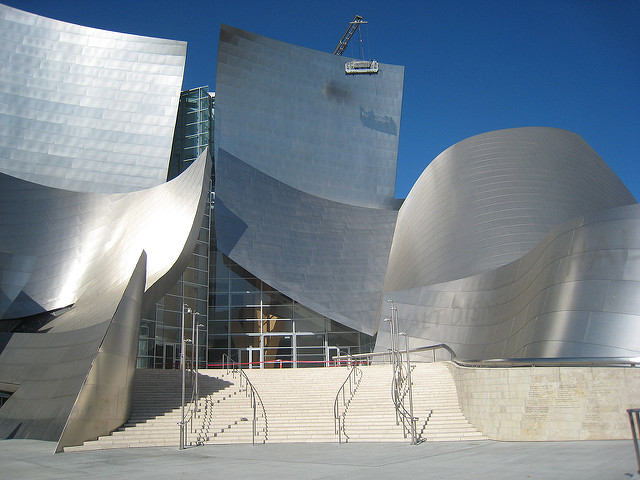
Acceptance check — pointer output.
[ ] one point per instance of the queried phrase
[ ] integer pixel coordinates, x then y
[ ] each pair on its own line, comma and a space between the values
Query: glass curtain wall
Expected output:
261, 328
160, 330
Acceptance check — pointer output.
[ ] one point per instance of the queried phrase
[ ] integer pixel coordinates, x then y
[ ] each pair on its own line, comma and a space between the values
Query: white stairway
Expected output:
371, 416
299, 402
224, 412
298, 405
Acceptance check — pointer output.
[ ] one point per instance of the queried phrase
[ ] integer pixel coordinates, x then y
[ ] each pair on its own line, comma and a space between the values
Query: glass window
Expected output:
278, 311
343, 338
219, 328
317, 324
276, 298
171, 335
219, 314
172, 302
200, 262
202, 248
147, 329
221, 300
244, 341
218, 341
145, 347
310, 341
221, 285
244, 285
252, 299
237, 299
189, 275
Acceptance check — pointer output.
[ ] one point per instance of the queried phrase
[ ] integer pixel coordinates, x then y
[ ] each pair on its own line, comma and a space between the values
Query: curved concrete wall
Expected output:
84, 109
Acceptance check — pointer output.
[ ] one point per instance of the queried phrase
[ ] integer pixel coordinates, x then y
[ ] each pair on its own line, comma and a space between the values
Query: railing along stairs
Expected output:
189, 416
343, 399
256, 402
401, 379
401, 386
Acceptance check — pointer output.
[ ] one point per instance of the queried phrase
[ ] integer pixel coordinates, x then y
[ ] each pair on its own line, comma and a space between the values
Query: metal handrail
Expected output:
401, 382
256, 400
507, 362
400, 388
635, 425
189, 416
353, 381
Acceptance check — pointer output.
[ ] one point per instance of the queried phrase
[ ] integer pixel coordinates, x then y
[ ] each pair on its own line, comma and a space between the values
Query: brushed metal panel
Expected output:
75, 373
568, 305
91, 89
328, 256
293, 114
488, 200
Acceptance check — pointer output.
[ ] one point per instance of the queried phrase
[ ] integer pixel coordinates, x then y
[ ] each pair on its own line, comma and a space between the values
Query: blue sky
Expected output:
472, 66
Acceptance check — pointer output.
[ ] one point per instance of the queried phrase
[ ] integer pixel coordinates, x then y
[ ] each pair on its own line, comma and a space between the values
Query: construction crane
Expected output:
351, 29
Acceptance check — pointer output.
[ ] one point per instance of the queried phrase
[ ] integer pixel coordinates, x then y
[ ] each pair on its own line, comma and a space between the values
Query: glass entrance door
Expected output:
171, 355
253, 357
277, 350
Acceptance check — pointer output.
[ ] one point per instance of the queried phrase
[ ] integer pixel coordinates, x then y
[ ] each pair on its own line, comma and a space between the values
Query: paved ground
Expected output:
477, 460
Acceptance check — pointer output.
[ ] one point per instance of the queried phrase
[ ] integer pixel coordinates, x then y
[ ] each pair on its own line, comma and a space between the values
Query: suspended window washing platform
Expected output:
357, 67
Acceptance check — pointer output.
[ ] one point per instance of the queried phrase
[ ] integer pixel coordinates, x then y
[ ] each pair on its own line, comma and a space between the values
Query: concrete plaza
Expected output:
596, 460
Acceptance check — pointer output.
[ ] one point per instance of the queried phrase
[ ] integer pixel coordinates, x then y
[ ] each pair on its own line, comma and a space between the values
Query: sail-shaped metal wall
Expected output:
305, 172
85, 109
483, 259
84, 112
111, 258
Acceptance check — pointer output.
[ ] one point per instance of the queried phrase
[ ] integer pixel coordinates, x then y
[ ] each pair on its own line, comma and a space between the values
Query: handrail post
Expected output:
338, 414
413, 422
634, 426
182, 368
197, 355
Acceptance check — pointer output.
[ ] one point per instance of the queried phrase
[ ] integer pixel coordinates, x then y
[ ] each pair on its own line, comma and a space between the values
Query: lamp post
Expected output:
393, 323
182, 359
197, 347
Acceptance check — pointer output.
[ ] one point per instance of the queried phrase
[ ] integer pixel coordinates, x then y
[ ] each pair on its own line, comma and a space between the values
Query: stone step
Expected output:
299, 406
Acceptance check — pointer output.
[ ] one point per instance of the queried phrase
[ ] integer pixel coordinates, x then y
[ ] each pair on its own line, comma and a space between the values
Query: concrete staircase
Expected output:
371, 415
224, 412
298, 404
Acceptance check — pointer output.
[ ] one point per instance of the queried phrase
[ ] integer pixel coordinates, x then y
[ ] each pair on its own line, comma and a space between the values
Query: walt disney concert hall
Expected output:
122, 200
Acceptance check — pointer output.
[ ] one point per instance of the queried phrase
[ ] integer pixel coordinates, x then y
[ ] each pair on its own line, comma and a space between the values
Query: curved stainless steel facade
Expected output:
477, 263
305, 172
329, 256
54, 240
118, 256
293, 114
488, 200
516, 243
84, 109
574, 295
86, 246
